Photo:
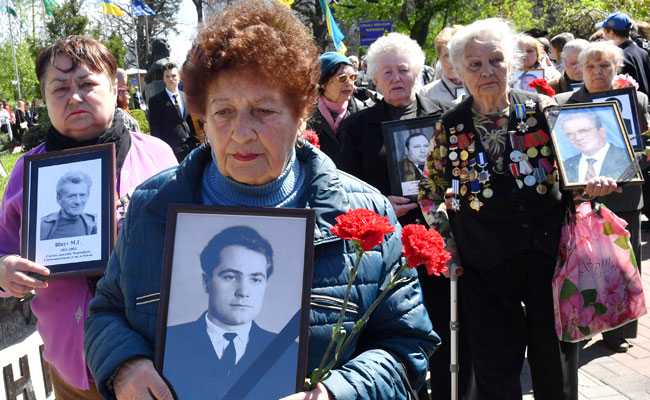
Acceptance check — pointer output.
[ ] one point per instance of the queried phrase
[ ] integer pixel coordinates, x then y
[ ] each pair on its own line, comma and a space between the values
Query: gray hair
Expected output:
74, 177
396, 44
574, 46
602, 49
495, 30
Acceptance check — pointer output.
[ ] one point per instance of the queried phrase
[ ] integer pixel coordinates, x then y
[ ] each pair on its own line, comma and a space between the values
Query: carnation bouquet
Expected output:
541, 86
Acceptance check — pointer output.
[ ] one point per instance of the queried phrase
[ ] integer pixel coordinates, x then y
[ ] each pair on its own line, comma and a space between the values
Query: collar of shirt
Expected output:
599, 156
219, 342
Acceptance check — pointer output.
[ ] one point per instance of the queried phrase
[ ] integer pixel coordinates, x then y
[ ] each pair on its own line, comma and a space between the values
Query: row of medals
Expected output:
473, 173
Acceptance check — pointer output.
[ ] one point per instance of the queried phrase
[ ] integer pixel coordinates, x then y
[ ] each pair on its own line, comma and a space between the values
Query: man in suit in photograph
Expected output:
72, 191
169, 118
597, 156
205, 358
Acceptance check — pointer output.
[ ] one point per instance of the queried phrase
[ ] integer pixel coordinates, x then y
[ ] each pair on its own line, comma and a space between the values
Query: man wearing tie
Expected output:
206, 357
597, 156
169, 118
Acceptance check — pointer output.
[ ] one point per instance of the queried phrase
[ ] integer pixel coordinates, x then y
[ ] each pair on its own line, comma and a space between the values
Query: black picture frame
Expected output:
44, 238
618, 161
401, 168
627, 102
191, 231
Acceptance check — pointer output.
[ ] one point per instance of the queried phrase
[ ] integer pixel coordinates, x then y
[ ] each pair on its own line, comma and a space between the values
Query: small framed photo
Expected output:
68, 220
407, 144
234, 312
521, 79
626, 101
590, 140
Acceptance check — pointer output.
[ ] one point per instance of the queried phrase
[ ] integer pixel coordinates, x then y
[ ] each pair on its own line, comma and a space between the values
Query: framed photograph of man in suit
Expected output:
235, 294
590, 140
626, 101
68, 202
407, 146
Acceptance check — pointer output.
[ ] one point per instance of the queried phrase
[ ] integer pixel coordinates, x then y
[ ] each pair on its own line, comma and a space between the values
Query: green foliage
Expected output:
141, 117
28, 81
115, 44
67, 20
8, 160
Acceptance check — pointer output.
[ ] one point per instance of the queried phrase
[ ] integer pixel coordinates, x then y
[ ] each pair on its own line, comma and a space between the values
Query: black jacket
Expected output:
167, 124
636, 62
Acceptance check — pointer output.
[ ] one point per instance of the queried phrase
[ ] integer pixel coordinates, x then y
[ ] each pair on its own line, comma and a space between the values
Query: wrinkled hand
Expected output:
14, 278
320, 393
600, 186
138, 380
401, 205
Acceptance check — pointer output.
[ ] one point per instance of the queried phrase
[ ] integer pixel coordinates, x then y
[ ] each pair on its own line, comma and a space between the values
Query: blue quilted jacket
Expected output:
389, 355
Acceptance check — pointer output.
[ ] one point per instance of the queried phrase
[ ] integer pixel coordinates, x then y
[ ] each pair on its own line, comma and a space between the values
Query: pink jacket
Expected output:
62, 307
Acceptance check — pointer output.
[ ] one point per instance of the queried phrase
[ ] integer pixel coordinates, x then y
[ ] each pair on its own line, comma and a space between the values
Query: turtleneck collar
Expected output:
284, 191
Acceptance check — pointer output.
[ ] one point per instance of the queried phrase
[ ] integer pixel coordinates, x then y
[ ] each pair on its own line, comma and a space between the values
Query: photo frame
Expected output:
521, 79
590, 140
68, 222
216, 278
627, 103
407, 146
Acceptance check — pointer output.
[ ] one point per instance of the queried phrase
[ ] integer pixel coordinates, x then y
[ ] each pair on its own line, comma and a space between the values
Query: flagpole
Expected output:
137, 56
13, 51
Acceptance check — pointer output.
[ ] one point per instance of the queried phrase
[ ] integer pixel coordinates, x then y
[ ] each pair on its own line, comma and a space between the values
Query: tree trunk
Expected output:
199, 9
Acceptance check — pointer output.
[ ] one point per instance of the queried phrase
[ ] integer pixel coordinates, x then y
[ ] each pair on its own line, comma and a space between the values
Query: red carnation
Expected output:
363, 226
311, 137
541, 86
425, 246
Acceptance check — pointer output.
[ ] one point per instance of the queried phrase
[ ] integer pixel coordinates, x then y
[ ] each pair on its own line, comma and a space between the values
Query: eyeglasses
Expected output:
344, 77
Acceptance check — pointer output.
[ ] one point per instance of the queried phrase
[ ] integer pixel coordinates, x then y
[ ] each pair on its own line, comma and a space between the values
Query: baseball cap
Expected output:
617, 21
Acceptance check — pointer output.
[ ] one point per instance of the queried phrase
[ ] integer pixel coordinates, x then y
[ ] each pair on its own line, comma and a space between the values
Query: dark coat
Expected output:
636, 62
166, 124
195, 372
331, 142
614, 165
396, 342
631, 198
50, 221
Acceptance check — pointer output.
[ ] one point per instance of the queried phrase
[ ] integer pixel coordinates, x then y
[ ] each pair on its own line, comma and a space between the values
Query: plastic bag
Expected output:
596, 286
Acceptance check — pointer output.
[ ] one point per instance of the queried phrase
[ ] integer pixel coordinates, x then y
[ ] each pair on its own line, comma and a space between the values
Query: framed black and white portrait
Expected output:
68, 209
626, 101
234, 311
521, 79
407, 144
590, 140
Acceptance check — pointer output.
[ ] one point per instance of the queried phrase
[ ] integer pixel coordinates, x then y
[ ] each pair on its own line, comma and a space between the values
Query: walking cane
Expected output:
454, 325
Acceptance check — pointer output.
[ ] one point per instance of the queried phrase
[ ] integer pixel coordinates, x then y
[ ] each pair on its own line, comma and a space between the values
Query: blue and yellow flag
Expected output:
333, 29
110, 8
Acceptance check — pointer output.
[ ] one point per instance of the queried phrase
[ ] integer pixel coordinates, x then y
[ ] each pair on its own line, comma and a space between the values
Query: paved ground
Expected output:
605, 375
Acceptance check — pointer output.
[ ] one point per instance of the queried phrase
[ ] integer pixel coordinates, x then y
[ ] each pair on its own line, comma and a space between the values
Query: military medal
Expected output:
531, 121
546, 151
464, 155
463, 190
541, 189
475, 204
530, 104
530, 180
531, 152
487, 193
455, 201
516, 156
520, 113
453, 156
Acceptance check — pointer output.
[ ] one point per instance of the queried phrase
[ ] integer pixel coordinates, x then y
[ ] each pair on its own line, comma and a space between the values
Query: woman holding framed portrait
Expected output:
492, 187
254, 112
600, 62
77, 79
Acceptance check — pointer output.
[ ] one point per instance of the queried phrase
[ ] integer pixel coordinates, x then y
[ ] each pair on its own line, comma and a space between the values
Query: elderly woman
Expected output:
335, 102
77, 78
253, 115
394, 63
599, 63
533, 55
505, 211
572, 76
447, 90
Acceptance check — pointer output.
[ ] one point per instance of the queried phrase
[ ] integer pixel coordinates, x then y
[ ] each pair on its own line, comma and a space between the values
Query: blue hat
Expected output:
617, 21
330, 61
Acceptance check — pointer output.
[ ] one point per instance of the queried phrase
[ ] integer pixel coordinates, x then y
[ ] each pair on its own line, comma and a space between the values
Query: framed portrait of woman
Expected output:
235, 297
68, 222
590, 140
407, 145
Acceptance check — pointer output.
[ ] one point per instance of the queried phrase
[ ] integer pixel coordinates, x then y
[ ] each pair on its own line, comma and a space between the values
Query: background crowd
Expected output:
501, 225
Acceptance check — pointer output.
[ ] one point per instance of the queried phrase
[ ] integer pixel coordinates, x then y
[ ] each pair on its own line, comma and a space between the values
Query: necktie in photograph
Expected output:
229, 355
591, 170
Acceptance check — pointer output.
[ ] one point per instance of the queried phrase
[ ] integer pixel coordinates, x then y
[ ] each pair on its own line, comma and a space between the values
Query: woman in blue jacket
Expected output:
252, 74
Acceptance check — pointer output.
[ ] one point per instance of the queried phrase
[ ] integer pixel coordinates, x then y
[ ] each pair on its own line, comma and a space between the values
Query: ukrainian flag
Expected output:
287, 3
333, 29
110, 8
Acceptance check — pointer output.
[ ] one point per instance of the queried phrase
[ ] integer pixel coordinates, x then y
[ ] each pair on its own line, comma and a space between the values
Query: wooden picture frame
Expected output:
69, 231
407, 146
585, 134
216, 274
627, 103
